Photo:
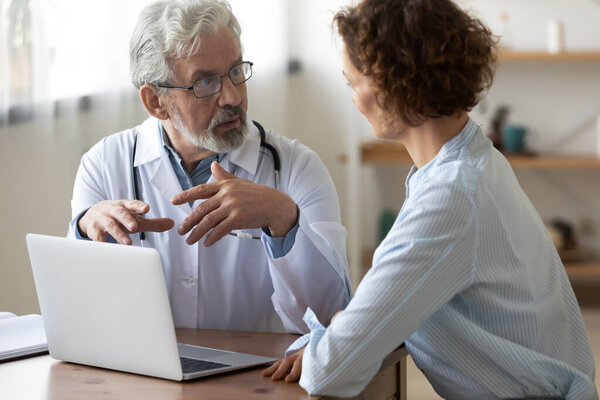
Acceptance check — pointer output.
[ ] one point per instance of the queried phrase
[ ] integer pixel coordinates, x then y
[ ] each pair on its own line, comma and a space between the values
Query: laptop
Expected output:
106, 305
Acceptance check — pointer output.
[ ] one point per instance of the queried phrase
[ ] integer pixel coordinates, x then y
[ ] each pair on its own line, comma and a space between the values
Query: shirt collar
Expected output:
459, 141
149, 146
451, 146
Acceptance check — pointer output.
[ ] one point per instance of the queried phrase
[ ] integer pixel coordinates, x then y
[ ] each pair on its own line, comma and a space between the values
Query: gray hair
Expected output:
171, 29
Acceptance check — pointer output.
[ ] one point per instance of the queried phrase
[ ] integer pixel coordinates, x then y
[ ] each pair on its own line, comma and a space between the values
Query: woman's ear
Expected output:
152, 102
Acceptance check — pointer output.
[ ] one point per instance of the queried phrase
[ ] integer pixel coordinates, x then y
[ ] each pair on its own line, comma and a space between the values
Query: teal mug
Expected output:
514, 138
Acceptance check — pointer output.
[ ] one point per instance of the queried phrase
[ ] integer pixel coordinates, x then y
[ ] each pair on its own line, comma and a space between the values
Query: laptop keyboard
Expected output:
191, 365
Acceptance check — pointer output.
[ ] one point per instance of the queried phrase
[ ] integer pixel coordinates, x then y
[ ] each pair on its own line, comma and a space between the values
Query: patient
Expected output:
468, 276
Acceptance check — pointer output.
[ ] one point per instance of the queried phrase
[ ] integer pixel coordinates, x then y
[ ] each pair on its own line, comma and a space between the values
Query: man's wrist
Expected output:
284, 223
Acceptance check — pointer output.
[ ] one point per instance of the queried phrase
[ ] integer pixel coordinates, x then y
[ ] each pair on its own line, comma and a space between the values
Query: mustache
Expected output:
227, 114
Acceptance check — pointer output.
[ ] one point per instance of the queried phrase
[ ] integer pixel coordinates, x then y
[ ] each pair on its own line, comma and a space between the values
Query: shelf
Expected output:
383, 151
584, 273
578, 56
390, 152
553, 161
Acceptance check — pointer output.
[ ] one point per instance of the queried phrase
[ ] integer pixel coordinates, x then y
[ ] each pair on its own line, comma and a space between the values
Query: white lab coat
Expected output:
234, 284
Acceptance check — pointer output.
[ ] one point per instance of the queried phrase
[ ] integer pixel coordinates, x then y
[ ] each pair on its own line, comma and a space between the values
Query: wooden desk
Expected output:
43, 377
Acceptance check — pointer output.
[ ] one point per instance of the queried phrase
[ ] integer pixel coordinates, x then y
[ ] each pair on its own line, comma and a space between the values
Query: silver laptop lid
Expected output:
105, 305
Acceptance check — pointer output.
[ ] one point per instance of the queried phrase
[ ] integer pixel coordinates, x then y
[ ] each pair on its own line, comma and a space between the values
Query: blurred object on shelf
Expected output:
503, 31
587, 226
386, 221
598, 136
498, 121
556, 36
563, 236
513, 138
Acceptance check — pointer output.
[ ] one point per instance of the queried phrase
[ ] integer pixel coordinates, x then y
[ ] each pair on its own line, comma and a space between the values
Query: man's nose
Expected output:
229, 95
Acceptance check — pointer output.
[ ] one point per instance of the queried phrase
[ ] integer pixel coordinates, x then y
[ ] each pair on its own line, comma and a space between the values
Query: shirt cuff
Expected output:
316, 329
278, 247
75, 226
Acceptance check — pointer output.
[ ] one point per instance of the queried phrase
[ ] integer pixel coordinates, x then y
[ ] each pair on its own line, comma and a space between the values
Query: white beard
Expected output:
208, 140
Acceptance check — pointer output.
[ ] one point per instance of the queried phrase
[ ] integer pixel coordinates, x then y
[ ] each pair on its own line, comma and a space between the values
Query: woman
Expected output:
467, 277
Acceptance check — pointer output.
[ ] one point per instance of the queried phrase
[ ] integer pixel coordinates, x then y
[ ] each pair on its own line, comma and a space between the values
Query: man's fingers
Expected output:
154, 224
207, 223
219, 231
197, 215
294, 374
136, 206
115, 229
219, 172
197, 192
96, 235
126, 219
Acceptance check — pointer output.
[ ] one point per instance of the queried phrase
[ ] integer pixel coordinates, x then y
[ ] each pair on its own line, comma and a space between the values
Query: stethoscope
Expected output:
263, 143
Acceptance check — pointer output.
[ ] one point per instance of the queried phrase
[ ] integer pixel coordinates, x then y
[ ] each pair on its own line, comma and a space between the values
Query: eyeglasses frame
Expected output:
221, 77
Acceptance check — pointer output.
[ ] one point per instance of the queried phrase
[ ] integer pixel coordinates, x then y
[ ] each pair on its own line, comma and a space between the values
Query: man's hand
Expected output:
118, 218
289, 368
234, 203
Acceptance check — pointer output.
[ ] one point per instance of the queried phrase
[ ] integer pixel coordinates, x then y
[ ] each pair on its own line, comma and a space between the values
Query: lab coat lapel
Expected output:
152, 156
166, 182
246, 156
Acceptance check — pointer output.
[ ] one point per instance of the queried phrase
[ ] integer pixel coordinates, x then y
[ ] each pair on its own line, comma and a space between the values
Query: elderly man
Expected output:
265, 205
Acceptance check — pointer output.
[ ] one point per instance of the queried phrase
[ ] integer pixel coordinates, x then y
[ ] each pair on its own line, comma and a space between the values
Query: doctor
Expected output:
196, 173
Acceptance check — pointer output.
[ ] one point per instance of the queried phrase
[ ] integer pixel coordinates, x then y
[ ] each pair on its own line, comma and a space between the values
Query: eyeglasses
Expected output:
213, 84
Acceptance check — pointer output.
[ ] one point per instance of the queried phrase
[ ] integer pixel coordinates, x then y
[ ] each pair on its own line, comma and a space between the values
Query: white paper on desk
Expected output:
21, 336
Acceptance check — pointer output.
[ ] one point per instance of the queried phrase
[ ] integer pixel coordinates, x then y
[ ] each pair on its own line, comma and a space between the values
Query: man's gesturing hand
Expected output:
118, 218
234, 203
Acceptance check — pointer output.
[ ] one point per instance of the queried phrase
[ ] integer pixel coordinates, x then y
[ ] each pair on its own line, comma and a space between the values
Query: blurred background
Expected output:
64, 84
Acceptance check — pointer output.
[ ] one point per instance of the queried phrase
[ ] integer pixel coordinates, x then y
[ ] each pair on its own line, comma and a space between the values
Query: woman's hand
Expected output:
335, 316
289, 368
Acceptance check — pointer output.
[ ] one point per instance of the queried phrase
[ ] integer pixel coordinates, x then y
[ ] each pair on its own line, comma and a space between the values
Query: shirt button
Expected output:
190, 280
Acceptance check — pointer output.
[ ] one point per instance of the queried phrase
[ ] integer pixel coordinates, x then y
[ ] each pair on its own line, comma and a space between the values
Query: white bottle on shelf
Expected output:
556, 36
598, 136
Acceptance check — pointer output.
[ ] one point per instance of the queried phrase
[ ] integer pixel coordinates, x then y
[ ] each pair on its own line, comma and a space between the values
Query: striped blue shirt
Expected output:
469, 279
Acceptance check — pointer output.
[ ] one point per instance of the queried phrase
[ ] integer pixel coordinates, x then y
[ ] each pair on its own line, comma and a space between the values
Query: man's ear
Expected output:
152, 102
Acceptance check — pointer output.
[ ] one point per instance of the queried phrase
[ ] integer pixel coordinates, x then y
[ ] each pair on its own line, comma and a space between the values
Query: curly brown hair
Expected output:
428, 58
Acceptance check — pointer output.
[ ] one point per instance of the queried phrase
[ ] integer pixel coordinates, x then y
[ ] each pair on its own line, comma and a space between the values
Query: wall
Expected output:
39, 162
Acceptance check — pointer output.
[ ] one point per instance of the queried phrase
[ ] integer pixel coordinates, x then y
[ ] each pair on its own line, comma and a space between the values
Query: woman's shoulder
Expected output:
465, 167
